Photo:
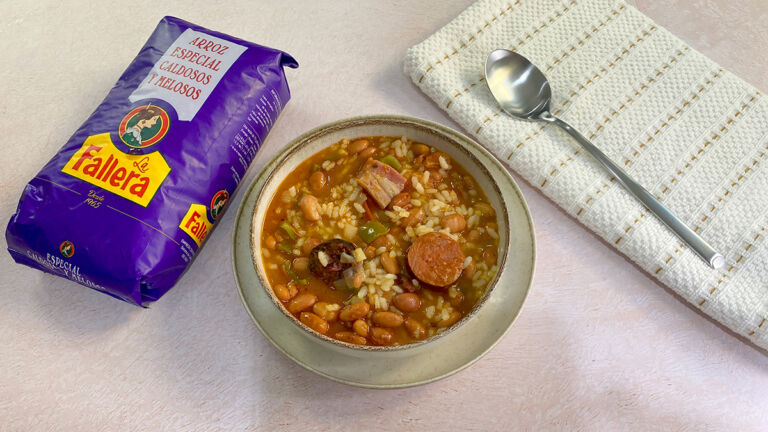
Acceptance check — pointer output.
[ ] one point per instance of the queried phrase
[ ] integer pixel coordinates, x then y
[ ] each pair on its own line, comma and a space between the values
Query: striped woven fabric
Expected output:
692, 133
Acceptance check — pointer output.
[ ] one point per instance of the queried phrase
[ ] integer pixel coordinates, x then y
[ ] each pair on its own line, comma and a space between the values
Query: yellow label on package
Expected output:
195, 223
133, 177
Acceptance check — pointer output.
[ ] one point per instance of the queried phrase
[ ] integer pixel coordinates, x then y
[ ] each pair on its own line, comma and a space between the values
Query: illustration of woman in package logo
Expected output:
144, 126
218, 202
67, 249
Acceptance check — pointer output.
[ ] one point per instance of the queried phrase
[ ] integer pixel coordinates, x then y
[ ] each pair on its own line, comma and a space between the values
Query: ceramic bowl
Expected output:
516, 244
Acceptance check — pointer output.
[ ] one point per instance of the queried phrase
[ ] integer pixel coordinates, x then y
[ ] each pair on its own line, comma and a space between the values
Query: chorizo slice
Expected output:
436, 259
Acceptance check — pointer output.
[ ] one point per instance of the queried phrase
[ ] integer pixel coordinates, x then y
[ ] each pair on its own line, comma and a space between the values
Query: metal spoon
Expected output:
523, 91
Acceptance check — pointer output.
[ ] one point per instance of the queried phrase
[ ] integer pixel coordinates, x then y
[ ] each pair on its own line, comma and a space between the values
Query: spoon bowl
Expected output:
519, 87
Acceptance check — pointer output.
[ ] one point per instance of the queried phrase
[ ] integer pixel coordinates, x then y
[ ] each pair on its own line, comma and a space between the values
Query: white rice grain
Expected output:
492, 232
323, 258
472, 221
443, 164
417, 185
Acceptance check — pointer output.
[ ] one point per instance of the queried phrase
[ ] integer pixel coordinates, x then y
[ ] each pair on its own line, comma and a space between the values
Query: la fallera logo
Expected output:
67, 249
218, 202
144, 126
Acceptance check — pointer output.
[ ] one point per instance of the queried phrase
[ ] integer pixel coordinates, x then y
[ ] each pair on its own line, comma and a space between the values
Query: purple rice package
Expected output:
128, 201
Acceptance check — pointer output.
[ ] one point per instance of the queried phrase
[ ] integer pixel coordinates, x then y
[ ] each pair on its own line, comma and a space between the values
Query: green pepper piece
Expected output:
285, 247
289, 271
353, 299
288, 230
391, 161
371, 230
315, 167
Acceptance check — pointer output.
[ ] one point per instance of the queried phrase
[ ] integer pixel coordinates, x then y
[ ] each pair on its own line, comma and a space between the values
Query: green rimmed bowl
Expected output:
399, 366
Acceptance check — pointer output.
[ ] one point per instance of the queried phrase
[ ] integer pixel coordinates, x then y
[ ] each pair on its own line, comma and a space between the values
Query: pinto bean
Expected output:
270, 242
301, 264
292, 289
314, 322
407, 302
388, 319
420, 149
358, 145
434, 178
350, 337
354, 311
485, 209
415, 217
390, 264
357, 280
368, 153
301, 302
469, 271
323, 310
310, 206
432, 161
381, 241
454, 222
415, 328
402, 200
317, 181
360, 327
455, 297
309, 244
381, 336
283, 292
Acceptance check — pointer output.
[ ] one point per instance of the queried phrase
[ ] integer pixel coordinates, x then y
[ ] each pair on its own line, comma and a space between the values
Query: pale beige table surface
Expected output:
598, 346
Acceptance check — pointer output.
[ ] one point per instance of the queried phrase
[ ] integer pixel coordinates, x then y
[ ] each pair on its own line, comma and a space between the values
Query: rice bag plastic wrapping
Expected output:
128, 201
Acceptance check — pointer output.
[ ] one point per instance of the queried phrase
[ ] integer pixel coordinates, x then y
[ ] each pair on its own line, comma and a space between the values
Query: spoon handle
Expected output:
701, 247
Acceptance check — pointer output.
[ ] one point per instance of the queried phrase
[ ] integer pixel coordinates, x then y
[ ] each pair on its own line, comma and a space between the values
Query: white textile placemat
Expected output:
692, 133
